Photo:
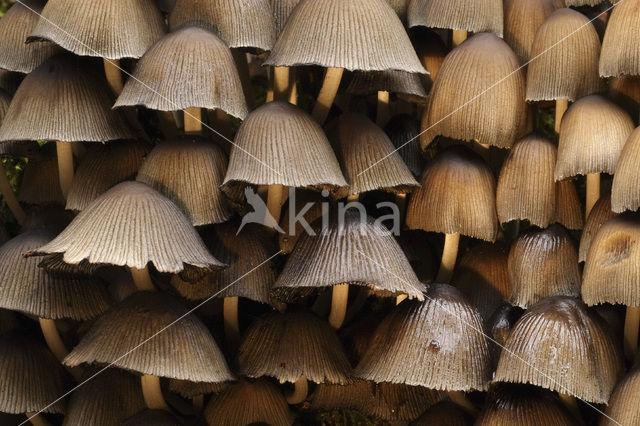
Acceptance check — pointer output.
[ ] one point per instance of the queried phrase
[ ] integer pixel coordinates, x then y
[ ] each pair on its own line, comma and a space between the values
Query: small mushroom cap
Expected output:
366, 35
370, 161
246, 403
400, 7
543, 263
183, 349
31, 377
625, 193
291, 345
566, 49
403, 132
405, 83
49, 100
592, 135
457, 196
280, 144
16, 24
40, 182
281, 10
620, 54
437, 344
106, 399
522, 18
189, 171
612, 269
191, 390
27, 288
445, 413
526, 187
568, 206
623, 405
132, 225
114, 29
472, 100
152, 418
560, 345
600, 214
240, 23
477, 17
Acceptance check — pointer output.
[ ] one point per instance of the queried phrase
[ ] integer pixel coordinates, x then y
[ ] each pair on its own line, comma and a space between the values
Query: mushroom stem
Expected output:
449, 255
167, 123
458, 37
401, 202
193, 120
459, 398
36, 419
198, 403
270, 85
339, 298
274, 203
327, 94
142, 279
113, 74
231, 323
65, 166
383, 112
10, 198
240, 58
293, 94
152, 393
571, 404
300, 390
401, 298
631, 323
281, 82
593, 191
56, 345
561, 107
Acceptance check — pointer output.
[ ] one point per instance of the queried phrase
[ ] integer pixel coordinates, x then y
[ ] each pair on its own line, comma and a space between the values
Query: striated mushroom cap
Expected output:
191, 390
620, 54
281, 11
403, 132
478, 16
445, 413
405, 83
568, 206
623, 405
625, 91
40, 182
522, 18
600, 214
625, 192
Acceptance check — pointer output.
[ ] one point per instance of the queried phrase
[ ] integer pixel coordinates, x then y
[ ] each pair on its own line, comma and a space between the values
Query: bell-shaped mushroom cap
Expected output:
132, 225
281, 11
483, 277
291, 345
600, 214
293, 231
404, 83
106, 399
240, 23
623, 405
246, 403
543, 263
437, 344
523, 405
16, 24
526, 187
152, 333
592, 134
189, 171
625, 91
477, 16
40, 182
51, 98
102, 167
560, 345
457, 196
152, 418
366, 35
403, 132
31, 376
187, 68
400, 7
26, 287
472, 98
190, 390
522, 18
612, 270
369, 160
9, 81
620, 54
568, 207
280, 144
351, 250
566, 49
114, 29
445, 413
625, 193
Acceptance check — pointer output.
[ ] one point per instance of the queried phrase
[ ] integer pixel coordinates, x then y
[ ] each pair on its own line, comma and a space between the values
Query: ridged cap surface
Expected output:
403, 132
620, 55
522, 18
623, 405
625, 193
568, 206
369, 82
41, 182
445, 413
281, 10
477, 16
599, 215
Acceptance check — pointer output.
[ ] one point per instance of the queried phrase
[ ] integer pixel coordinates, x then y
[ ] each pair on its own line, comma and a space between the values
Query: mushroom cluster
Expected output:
319, 212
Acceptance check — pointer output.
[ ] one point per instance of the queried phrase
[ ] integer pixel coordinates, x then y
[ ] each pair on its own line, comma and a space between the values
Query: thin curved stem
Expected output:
231, 323
593, 191
152, 393
458, 37
459, 398
300, 391
281, 82
65, 166
327, 94
274, 203
339, 298
193, 121
142, 279
561, 107
37, 419
572, 404
113, 74
449, 255
56, 345
631, 323
383, 111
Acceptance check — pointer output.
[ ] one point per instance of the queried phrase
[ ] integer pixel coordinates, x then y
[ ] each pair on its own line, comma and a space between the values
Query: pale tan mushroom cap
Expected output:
623, 405
476, 16
522, 18
600, 214
625, 193
620, 55
281, 10
568, 206
405, 83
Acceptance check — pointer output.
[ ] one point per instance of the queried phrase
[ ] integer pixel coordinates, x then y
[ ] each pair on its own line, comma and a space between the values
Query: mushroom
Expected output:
600, 214
430, 49
196, 391
623, 405
152, 418
40, 183
578, 3
522, 18
281, 10
619, 47
625, 91
568, 206
445, 413
625, 194
403, 131
6, 148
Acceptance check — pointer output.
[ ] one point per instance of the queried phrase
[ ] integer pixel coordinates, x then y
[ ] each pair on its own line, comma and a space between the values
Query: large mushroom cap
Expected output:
623, 405
50, 100
568, 207
471, 97
176, 343
477, 16
566, 49
600, 214
522, 18
281, 11
560, 345
132, 225
15, 26
620, 54
190, 67
366, 35
625, 193
111, 29
445, 413
457, 196
593, 133
437, 344
289, 346
366, 83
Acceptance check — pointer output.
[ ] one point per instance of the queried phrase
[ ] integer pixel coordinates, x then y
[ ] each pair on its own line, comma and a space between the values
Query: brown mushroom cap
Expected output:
281, 10
568, 206
623, 405
246, 403
370, 82
291, 345
114, 30
436, 344
600, 214
478, 16
189, 171
560, 345
526, 187
152, 418
290, 235
445, 413
49, 101
132, 225
176, 343
191, 390
366, 35
620, 54
40, 182
592, 134
430, 49
403, 132
625, 193
578, 3
625, 91
15, 26
239, 23
457, 196
612, 269
566, 49
522, 18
